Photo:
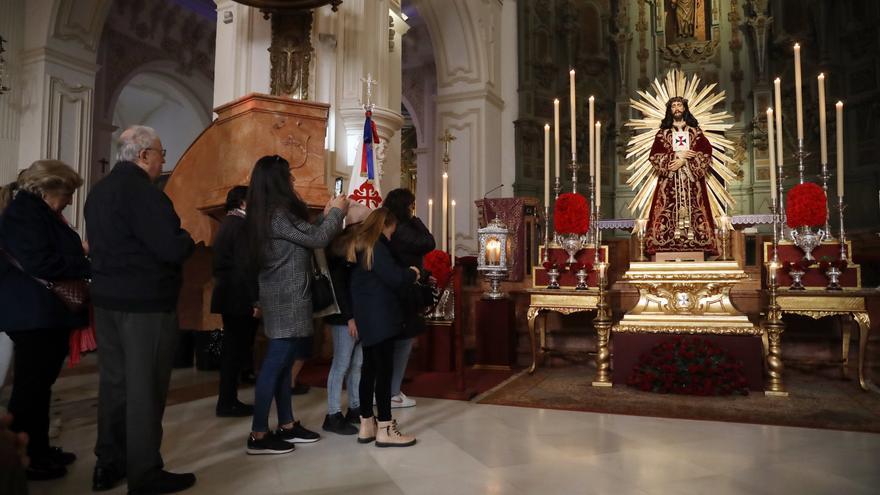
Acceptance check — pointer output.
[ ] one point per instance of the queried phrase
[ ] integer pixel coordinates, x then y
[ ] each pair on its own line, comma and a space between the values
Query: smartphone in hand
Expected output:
337, 187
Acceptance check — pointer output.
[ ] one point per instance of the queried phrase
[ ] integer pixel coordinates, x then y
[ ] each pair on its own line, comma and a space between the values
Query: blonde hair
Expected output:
41, 178
368, 232
49, 176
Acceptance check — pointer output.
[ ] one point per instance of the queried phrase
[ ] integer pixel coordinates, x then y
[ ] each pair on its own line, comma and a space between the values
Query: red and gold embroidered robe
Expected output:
680, 218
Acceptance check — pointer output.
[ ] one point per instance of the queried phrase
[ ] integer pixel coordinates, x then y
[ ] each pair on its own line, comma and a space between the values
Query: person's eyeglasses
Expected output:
160, 150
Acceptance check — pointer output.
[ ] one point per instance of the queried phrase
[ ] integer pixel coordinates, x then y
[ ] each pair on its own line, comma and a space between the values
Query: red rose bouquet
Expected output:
806, 206
688, 365
572, 214
440, 265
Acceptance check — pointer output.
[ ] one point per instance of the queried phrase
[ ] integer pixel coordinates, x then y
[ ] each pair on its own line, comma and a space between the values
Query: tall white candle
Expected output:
592, 140
598, 164
778, 106
556, 135
797, 92
452, 232
771, 151
444, 215
547, 165
573, 118
823, 132
431, 216
839, 107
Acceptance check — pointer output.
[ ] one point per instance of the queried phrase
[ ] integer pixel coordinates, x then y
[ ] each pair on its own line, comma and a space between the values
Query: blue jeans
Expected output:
402, 348
273, 382
347, 357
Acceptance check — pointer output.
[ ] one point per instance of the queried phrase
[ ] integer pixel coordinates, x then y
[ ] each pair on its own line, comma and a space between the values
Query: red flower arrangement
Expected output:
440, 265
806, 206
688, 365
572, 214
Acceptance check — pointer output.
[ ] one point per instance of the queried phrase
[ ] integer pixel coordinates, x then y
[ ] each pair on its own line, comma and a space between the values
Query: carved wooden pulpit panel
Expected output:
223, 156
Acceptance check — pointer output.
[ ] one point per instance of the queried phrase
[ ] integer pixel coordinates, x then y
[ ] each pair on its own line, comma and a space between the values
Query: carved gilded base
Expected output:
685, 298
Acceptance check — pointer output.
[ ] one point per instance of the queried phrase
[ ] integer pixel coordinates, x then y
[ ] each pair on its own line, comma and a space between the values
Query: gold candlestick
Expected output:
602, 323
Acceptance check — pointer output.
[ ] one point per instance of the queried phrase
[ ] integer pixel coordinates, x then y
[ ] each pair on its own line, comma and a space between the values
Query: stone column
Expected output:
57, 83
12, 30
242, 58
368, 43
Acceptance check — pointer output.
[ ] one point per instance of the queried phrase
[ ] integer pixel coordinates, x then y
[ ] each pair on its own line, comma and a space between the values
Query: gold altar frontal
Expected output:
685, 297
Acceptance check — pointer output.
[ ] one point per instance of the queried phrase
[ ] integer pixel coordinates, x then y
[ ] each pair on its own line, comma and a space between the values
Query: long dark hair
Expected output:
399, 201
270, 190
689, 118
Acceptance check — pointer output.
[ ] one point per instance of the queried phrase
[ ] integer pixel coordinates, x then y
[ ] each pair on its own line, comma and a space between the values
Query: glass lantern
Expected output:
492, 260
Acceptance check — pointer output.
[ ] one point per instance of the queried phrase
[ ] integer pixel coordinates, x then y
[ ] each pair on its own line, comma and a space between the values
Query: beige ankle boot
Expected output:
389, 436
367, 433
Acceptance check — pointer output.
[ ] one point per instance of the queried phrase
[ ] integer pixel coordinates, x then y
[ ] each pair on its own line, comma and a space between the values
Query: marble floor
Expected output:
469, 448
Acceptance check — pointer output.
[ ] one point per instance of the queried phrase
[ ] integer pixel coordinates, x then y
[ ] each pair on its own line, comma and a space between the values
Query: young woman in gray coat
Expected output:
281, 241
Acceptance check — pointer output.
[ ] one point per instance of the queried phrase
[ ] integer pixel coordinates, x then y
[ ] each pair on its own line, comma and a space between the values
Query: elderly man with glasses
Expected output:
137, 251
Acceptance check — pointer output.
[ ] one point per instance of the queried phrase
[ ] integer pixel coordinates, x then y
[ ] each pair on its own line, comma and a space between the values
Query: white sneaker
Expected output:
400, 401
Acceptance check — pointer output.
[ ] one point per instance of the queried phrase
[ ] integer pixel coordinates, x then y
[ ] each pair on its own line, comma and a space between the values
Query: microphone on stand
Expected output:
499, 186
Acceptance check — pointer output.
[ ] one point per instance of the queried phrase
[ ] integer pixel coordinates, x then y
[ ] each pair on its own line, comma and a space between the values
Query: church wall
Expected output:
155, 60
12, 30
58, 83
468, 54
509, 87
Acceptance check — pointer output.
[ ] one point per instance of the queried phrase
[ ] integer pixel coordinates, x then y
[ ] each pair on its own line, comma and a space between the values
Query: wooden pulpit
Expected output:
222, 157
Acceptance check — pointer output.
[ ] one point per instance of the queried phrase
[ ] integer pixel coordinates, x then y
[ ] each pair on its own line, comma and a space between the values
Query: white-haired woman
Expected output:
38, 243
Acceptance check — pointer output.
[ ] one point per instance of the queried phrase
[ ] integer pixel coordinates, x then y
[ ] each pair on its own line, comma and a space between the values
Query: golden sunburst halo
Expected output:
652, 104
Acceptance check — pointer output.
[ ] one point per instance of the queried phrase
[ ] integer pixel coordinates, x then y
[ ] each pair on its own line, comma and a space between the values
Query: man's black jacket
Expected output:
136, 243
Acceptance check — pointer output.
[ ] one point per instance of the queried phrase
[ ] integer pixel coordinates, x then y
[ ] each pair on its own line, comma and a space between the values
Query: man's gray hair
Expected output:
133, 140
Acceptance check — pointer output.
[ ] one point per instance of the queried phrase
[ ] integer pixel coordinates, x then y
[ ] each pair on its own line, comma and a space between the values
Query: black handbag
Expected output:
322, 289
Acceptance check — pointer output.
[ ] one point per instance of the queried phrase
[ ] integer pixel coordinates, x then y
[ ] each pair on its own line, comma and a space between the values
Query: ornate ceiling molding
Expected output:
81, 21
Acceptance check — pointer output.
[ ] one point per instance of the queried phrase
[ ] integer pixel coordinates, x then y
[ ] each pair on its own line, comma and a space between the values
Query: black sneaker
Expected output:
166, 482
234, 410
299, 389
337, 423
43, 468
353, 416
58, 456
268, 445
297, 434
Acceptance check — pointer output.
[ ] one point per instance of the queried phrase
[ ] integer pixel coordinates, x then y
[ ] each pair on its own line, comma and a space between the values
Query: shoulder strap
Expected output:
14, 262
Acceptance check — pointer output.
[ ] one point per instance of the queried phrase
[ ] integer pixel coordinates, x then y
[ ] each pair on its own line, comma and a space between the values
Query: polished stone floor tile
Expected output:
468, 448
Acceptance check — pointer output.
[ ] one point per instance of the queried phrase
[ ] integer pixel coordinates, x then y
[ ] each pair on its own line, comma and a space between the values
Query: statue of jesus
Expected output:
680, 218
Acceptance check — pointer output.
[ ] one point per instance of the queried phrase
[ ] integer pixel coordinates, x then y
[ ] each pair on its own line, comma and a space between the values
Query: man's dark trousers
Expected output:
135, 354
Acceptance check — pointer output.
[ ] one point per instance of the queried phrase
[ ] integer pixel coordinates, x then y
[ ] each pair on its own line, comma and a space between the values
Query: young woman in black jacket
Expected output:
235, 298
409, 244
376, 282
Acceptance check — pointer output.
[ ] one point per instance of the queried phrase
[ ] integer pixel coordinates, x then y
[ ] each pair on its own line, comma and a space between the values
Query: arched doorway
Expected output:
158, 100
